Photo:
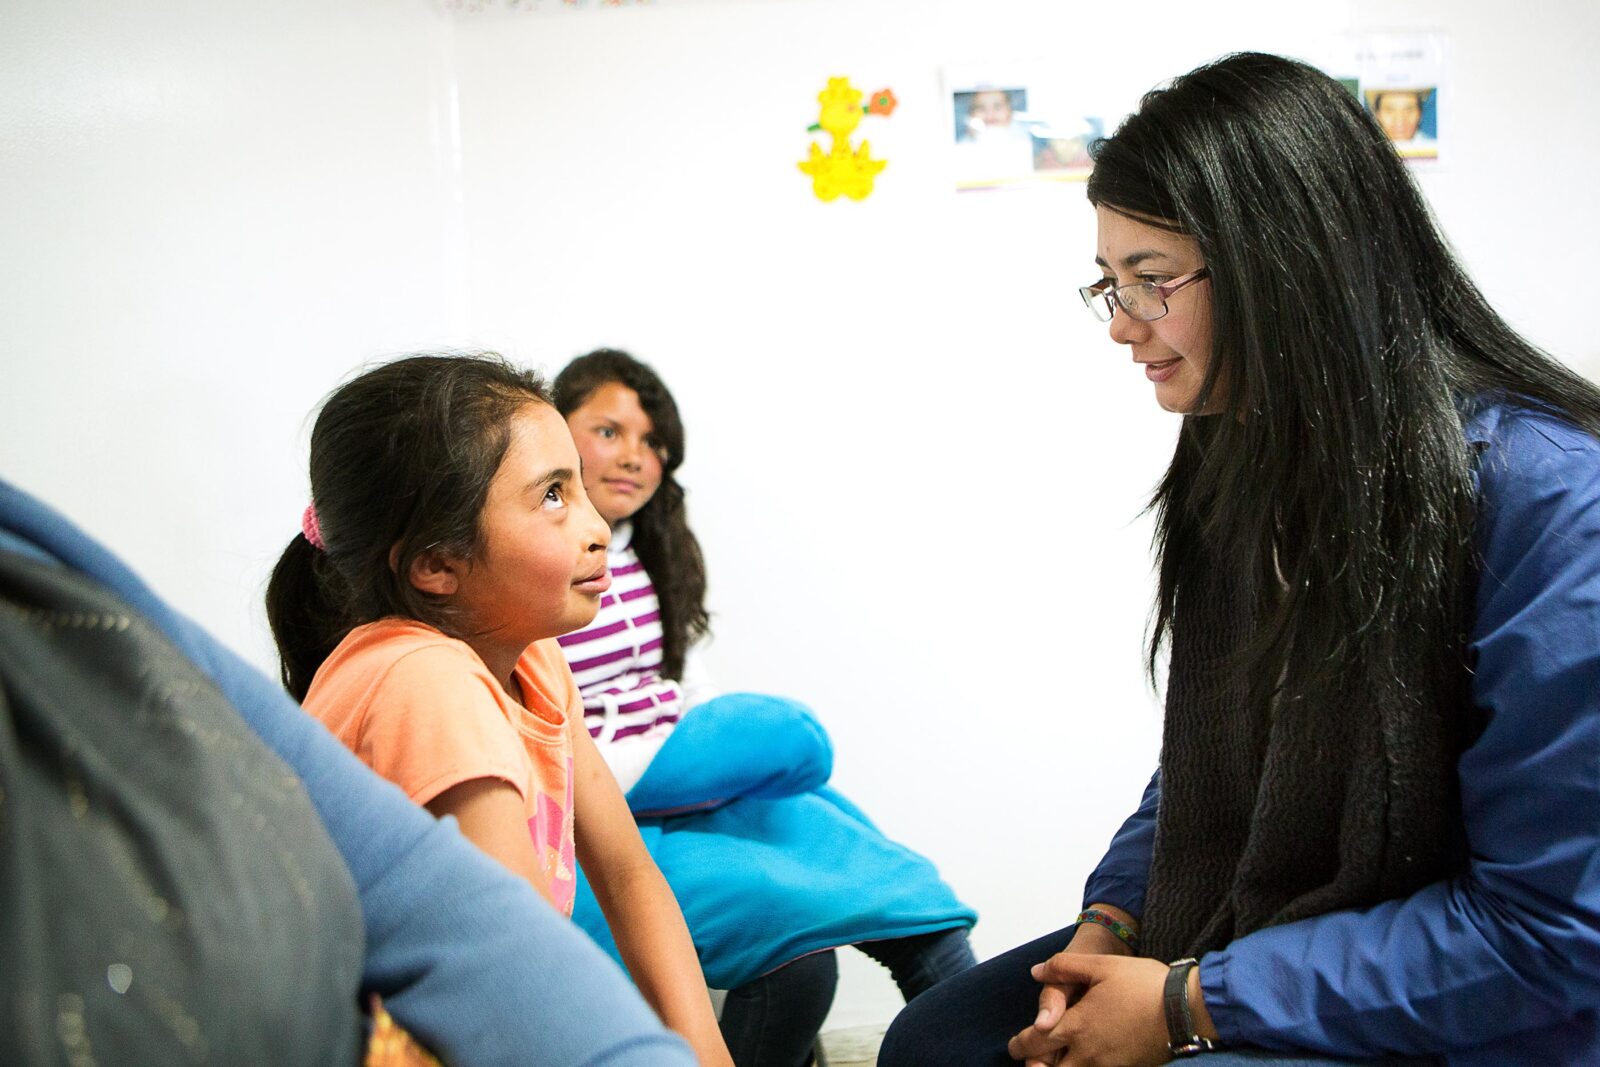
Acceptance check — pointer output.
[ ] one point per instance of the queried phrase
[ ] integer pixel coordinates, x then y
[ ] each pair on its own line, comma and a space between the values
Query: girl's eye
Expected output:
555, 496
605, 432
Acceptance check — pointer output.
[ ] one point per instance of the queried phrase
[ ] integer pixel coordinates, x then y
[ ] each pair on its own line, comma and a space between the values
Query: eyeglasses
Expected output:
1145, 301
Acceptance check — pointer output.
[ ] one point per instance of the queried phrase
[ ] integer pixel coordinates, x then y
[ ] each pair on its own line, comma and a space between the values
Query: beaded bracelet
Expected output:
1110, 922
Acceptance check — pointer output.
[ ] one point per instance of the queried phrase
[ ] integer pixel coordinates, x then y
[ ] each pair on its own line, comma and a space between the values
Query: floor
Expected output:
855, 1047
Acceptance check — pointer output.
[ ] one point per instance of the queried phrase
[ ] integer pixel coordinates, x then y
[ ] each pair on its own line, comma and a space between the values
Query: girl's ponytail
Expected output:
306, 620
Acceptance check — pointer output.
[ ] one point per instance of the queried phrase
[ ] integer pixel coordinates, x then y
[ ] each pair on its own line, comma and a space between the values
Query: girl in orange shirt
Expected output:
450, 541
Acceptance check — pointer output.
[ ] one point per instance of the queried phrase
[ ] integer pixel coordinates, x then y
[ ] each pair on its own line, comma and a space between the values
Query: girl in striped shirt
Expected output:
773, 868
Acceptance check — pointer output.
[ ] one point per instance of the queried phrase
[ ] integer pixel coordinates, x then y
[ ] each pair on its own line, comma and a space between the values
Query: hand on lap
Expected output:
1096, 1010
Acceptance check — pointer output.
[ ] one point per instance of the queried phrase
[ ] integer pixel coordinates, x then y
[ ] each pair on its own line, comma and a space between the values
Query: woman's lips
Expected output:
620, 485
1160, 372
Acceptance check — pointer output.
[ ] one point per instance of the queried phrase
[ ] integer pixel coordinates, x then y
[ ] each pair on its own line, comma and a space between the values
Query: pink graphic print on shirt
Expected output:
551, 829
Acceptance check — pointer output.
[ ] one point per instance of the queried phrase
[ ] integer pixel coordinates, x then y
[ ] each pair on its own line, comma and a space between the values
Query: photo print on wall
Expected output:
1400, 79
1009, 130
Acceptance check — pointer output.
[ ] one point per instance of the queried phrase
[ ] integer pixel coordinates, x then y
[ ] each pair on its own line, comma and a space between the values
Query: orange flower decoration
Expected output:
883, 103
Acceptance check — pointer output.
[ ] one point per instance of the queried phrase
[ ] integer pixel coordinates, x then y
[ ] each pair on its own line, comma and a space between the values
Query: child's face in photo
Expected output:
621, 456
1400, 113
991, 108
541, 566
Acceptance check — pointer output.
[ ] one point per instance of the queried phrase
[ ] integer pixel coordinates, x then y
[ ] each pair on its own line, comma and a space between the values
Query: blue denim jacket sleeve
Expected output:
465, 955
1122, 876
1500, 965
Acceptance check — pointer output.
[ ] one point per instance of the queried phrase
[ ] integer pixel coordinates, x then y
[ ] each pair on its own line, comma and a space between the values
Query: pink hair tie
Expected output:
309, 527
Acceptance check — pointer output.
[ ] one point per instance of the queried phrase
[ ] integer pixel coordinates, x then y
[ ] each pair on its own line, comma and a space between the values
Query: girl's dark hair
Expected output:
661, 536
401, 461
1348, 346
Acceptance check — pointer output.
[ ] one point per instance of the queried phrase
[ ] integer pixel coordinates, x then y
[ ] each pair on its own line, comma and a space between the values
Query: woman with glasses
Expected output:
1373, 836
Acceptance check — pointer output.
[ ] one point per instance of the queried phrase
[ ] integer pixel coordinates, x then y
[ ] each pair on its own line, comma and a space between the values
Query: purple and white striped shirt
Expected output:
628, 707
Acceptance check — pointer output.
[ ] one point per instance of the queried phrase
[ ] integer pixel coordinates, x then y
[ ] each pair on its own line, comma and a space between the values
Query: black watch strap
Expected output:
1181, 1037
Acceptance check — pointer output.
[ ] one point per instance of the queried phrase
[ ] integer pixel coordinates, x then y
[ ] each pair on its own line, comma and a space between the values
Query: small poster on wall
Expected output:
1401, 79
1010, 131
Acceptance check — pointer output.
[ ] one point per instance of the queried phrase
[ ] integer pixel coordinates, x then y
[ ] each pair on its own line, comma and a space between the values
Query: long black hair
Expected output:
401, 461
1348, 346
665, 544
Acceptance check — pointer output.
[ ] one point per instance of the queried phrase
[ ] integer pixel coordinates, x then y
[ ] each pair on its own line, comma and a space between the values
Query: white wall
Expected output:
210, 213
916, 464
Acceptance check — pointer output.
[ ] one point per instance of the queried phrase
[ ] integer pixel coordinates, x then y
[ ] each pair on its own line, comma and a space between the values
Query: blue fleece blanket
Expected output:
768, 862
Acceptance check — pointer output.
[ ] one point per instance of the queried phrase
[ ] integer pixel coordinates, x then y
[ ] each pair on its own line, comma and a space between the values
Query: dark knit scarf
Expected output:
1274, 810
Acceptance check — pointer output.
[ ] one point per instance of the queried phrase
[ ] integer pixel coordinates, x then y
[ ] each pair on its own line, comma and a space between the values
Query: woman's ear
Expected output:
432, 572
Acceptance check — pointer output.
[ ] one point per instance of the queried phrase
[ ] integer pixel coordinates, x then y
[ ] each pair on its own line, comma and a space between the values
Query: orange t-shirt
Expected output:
423, 711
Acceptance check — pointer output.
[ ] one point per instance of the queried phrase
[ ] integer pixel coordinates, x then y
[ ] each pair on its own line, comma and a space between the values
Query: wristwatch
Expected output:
1181, 1037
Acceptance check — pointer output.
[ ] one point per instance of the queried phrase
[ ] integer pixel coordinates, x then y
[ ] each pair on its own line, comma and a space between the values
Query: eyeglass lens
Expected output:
1140, 301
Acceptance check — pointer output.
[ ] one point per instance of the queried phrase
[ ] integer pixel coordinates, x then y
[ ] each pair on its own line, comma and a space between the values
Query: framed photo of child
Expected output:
1401, 79
1010, 131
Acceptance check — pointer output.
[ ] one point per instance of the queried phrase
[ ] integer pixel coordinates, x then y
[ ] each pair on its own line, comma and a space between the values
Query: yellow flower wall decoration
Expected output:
845, 169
